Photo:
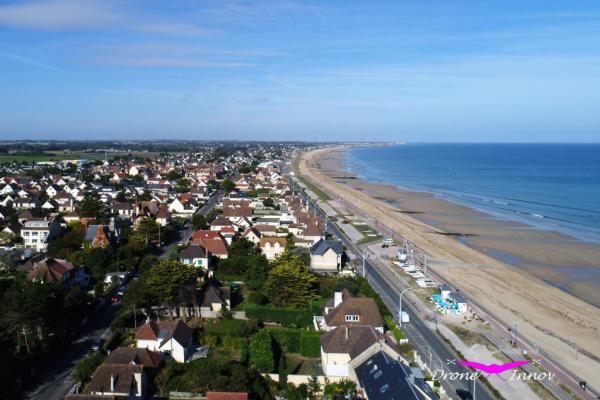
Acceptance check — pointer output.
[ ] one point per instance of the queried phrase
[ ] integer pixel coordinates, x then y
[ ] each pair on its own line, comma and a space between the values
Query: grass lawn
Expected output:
321, 194
297, 364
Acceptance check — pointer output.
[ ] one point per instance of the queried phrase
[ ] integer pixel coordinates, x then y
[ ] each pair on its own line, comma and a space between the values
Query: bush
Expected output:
232, 327
310, 345
233, 342
261, 351
87, 366
287, 339
285, 316
389, 321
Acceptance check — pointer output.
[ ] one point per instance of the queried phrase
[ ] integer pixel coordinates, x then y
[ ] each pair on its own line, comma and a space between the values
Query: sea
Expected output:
549, 186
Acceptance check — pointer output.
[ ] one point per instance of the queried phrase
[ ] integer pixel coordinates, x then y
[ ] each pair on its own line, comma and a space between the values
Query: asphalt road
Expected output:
54, 380
427, 343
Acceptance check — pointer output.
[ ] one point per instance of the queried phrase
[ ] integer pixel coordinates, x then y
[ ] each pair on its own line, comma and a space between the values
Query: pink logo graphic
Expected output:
493, 369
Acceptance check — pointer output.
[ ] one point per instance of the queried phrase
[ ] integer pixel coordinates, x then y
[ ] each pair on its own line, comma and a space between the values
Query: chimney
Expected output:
337, 299
112, 383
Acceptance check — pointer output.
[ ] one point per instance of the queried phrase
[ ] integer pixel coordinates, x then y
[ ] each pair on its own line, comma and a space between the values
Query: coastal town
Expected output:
222, 273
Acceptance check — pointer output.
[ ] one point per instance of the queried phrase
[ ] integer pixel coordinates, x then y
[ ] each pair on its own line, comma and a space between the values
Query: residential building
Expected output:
326, 256
172, 339
36, 232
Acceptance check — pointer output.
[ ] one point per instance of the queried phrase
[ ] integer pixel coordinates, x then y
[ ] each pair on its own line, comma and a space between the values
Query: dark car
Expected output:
97, 345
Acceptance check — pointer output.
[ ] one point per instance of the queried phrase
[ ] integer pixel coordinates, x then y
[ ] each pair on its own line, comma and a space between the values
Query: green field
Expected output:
309, 185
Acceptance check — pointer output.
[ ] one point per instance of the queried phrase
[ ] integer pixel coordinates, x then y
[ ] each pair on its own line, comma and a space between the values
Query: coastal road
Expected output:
428, 344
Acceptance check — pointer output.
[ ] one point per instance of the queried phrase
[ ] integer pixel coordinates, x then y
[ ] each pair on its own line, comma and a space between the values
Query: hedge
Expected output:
232, 327
300, 341
310, 345
285, 316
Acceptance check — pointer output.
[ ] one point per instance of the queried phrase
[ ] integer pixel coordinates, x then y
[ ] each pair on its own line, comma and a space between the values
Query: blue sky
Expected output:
311, 70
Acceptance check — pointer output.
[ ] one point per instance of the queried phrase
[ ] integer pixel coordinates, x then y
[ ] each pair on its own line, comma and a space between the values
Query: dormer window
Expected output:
352, 318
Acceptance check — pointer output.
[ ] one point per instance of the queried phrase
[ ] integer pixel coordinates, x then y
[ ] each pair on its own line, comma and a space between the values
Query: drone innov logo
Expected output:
493, 369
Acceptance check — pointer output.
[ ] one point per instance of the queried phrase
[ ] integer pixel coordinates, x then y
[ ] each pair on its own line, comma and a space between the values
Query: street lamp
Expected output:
400, 306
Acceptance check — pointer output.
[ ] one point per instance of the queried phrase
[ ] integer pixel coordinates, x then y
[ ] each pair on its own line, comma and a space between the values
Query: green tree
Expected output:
289, 283
173, 175
227, 185
243, 247
91, 206
199, 221
183, 185
261, 351
171, 282
340, 390
145, 233
87, 366
313, 387
268, 202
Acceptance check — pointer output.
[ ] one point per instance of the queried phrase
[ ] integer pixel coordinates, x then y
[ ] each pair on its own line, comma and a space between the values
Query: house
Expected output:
132, 355
212, 241
97, 236
326, 256
312, 232
345, 343
172, 339
125, 210
213, 298
36, 232
226, 396
272, 247
163, 216
344, 309
195, 255
252, 234
62, 272
384, 377
118, 380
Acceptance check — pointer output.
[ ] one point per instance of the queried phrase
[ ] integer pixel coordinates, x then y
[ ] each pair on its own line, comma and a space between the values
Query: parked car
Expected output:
115, 298
97, 345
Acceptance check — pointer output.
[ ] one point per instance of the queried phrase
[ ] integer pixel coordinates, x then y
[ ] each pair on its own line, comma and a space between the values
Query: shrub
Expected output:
87, 366
232, 327
287, 339
310, 345
261, 351
233, 342
285, 316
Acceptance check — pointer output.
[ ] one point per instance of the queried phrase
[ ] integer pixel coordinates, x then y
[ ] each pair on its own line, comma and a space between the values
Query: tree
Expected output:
227, 185
199, 221
183, 185
340, 390
268, 202
122, 196
243, 247
171, 282
173, 175
87, 366
313, 387
91, 206
145, 233
262, 355
145, 196
289, 283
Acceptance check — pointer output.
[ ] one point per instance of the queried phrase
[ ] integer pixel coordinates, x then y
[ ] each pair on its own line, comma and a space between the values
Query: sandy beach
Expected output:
518, 273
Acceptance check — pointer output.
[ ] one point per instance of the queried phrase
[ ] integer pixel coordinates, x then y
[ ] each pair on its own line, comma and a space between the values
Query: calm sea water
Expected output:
554, 186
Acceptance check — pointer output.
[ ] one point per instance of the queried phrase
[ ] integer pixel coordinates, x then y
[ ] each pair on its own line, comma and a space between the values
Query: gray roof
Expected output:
384, 378
323, 245
90, 234
193, 251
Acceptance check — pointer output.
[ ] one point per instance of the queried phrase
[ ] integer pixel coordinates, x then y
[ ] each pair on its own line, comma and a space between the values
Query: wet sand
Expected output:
517, 272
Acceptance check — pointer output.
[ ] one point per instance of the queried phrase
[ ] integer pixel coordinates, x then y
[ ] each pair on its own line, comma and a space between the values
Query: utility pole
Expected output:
134, 319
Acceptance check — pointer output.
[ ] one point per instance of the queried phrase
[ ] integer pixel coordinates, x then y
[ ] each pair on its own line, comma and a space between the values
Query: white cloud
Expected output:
166, 62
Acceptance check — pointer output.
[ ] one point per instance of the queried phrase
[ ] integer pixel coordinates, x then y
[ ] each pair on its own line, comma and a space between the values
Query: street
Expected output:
53, 381
427, 343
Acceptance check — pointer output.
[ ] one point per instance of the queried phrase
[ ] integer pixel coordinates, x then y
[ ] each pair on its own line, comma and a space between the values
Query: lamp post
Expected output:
400, 306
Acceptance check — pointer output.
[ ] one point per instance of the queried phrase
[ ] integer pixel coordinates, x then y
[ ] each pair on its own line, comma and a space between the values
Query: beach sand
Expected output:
518, 273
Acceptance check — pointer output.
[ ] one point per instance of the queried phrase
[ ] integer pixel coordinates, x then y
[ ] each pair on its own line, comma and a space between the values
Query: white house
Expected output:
194, 255
272, 247
326, 256
172, 339
37, 231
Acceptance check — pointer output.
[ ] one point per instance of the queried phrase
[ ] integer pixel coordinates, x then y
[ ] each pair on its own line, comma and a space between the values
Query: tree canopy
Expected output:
289, 283
227, 185
171, 282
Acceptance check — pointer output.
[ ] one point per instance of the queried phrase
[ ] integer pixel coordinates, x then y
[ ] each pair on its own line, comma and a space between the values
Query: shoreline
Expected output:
558, 321
568, 262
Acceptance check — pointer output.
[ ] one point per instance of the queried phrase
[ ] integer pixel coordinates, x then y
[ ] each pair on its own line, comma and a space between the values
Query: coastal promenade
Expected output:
359, 202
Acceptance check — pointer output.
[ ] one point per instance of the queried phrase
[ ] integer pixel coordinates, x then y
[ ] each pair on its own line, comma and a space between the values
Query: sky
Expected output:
415, 71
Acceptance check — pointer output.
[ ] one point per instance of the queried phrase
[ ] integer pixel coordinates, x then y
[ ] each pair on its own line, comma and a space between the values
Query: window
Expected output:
352, 318
377, 374
384, 388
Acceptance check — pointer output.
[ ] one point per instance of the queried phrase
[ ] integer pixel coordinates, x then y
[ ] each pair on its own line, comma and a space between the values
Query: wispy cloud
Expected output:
68, 15
30, 62
166, 62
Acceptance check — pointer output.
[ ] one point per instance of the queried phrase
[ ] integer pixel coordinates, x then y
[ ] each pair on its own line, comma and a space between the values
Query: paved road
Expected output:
187, 232
53, 381
427, 343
